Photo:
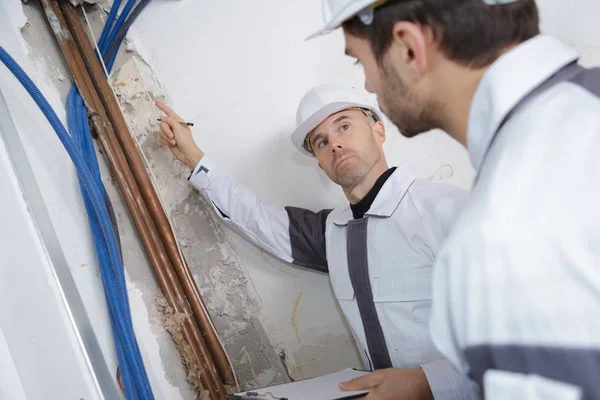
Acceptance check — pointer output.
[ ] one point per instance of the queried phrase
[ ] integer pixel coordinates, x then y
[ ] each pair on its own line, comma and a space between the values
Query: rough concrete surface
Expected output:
220, 275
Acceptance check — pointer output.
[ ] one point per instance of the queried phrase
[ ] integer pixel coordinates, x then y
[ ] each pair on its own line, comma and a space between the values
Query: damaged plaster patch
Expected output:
228, 293
172, 322
222, 278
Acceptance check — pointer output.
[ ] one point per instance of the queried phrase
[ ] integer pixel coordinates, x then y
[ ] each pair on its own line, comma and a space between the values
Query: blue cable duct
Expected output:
81, 150
79, 127
110, 55
108, 39
109, 23
111, 266
80, 130
113, 33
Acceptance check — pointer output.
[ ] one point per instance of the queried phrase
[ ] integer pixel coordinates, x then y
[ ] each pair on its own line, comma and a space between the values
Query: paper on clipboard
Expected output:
324, 387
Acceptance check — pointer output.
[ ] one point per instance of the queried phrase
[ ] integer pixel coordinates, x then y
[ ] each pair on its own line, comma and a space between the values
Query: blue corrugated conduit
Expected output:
111, 266
81, 150
109, 23
111, 37
111, 51
113, 34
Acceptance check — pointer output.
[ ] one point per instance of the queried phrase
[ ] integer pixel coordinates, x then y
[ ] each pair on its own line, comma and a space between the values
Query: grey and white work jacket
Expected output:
517, 284
380, 266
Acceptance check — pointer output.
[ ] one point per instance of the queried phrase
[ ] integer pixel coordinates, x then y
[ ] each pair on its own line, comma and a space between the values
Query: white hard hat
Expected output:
335, 12
322, 101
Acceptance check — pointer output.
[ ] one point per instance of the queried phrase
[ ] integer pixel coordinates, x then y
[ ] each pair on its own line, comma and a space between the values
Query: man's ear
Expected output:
409, 47
379, 129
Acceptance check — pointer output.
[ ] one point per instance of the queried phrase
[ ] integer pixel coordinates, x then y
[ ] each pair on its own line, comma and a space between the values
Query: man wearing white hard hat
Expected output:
378, 250
516, 287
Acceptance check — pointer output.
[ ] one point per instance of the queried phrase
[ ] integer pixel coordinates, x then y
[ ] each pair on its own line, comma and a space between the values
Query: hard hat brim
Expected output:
307, 126
322, 32
346, 13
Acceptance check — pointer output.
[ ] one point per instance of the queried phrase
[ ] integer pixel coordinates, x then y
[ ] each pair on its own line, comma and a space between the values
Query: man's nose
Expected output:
336, 145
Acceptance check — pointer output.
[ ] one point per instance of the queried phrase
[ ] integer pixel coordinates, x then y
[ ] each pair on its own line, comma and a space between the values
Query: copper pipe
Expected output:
151, 252
132, 198
150, 197
149, 238
68, 48
164, 271
116, 118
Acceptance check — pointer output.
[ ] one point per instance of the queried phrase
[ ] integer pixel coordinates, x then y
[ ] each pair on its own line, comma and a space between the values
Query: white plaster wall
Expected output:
576, 23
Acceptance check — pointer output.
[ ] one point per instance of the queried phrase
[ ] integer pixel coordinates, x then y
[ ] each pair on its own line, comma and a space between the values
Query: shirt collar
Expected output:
387, 200
506, 82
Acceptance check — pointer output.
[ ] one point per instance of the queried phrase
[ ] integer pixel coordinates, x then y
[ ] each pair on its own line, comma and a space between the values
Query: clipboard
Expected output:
320, 388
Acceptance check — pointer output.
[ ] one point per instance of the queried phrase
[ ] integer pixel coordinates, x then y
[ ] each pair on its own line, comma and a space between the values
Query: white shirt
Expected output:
517, 284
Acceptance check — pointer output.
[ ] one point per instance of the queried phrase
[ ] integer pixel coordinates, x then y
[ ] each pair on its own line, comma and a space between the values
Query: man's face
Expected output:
396, 96
347, 145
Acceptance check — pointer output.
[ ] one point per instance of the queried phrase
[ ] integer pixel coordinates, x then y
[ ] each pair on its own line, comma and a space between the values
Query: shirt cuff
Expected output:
447, 383
200, 177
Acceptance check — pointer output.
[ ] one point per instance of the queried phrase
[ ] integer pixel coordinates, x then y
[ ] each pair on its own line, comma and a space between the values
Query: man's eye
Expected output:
322, 144
344, 128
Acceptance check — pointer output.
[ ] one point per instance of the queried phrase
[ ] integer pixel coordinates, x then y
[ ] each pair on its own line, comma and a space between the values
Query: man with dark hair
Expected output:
516, 286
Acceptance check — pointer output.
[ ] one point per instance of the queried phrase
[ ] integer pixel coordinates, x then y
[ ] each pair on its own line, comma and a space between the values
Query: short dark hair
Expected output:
469, 32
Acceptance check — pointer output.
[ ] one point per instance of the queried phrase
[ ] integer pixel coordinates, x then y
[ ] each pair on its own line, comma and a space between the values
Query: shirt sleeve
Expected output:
447, 383
294, 235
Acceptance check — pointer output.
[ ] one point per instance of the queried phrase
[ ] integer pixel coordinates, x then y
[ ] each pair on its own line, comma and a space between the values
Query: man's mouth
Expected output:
342, 160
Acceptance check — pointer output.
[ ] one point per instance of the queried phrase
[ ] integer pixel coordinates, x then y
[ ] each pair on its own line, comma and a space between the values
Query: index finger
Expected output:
167, 110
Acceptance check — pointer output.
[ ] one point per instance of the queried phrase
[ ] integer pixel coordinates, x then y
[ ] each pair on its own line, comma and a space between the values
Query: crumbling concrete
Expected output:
222, 278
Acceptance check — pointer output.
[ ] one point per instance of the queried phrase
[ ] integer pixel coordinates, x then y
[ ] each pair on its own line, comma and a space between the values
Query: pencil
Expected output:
181, 122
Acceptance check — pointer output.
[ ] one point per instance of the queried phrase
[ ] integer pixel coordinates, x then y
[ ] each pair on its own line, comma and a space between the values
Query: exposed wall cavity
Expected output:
221, 276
